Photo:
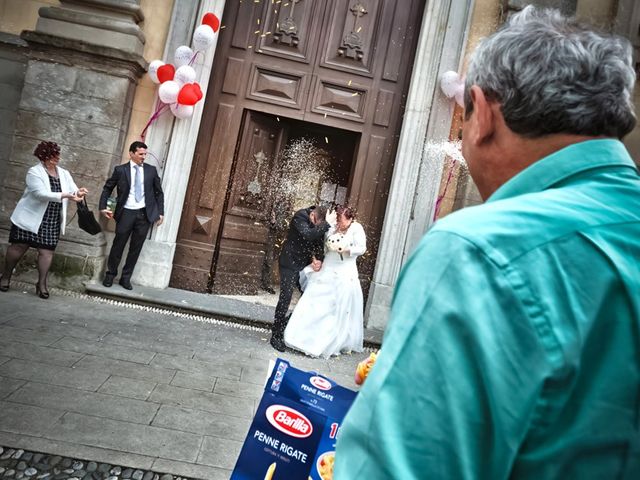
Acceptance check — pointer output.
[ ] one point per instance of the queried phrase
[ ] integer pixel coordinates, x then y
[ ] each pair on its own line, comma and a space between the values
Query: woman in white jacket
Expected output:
40, 216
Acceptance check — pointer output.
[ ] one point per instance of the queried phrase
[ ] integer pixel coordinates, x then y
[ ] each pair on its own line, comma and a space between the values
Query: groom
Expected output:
304, 245
140, 203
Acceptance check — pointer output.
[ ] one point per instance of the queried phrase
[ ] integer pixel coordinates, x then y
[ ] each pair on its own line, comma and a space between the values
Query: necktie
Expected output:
138, 184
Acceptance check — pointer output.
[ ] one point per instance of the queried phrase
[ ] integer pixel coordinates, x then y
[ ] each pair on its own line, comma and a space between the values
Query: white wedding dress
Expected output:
328, 318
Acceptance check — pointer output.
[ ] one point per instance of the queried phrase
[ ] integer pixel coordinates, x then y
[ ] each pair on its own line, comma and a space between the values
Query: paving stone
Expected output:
36, 353
21, 335
254, 375
195, 381
26, 419
127, 387
126, 369
237, 388
133, 340
187, 365
211, 402
82, 378
88, 403
9, 385
57, 327
219, 454
103, 349
204, 423
124, 436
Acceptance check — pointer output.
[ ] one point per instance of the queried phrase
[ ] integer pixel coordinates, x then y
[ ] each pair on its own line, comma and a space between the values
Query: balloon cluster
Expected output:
178, 86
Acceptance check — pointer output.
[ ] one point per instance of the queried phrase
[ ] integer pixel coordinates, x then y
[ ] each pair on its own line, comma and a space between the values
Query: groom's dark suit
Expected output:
304, 241
134, 223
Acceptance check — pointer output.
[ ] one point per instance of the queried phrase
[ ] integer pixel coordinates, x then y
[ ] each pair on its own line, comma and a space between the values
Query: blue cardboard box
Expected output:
294, 431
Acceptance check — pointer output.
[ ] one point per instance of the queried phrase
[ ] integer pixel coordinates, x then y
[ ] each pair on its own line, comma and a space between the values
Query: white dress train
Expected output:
328, 318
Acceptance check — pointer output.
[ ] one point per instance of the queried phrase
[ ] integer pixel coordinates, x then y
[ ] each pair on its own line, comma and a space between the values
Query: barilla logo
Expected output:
321, 383
289, 421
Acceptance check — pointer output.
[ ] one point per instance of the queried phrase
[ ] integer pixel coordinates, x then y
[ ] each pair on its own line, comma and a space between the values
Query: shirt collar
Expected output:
563, 164
133, 164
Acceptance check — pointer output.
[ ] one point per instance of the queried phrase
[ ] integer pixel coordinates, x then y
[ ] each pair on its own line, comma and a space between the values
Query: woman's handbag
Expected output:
86, 219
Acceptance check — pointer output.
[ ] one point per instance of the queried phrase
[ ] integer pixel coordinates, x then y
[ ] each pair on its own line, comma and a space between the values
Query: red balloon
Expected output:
188, 94
196, 87
211, 20
166, 72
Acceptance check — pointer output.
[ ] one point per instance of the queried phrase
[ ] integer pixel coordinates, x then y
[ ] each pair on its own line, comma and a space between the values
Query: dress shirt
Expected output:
131, 203
513, 348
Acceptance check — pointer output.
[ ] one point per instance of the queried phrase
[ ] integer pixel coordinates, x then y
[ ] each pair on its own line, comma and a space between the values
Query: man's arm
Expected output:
455, 384
109, 185
157, 190
159, 194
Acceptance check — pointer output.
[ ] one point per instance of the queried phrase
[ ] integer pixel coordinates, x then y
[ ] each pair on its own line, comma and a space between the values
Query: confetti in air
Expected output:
304, 166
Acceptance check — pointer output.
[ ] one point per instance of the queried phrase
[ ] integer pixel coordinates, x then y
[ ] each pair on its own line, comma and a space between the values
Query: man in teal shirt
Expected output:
513, 348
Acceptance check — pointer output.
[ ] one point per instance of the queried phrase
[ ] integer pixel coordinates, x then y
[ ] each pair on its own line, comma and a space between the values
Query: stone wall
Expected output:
13, 64
83, 102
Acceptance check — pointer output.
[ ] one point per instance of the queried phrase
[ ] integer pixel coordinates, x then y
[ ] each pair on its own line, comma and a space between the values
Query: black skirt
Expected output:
49, 231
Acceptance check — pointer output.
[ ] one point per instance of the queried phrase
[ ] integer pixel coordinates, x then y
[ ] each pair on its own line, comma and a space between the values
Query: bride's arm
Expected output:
359, 240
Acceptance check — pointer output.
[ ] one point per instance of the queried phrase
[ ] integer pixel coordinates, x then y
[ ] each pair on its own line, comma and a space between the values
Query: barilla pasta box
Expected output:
293, 434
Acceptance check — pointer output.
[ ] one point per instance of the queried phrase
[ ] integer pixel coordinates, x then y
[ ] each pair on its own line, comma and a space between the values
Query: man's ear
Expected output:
484, 116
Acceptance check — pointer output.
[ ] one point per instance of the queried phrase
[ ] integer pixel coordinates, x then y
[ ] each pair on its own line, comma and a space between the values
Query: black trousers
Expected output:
134, 225
289, 279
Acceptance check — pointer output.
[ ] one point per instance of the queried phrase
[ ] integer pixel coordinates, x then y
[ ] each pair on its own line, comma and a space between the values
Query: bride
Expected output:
328, 318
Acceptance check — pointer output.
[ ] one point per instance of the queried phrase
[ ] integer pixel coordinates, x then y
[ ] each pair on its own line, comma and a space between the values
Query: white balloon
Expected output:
459, 95
203, 37
181, 111
449, 83
168, 91
153, 70
183, 55
185, 74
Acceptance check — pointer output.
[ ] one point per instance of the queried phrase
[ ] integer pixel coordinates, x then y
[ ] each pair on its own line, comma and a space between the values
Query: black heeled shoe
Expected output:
41, 293
4, 288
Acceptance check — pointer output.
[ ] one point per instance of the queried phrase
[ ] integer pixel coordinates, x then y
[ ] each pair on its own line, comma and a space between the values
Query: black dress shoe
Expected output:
4, 288
126, 284
269, 290
277, 343
108, 280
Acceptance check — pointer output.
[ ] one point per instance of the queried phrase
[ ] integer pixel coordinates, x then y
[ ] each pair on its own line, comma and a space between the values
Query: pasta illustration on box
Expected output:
293, 434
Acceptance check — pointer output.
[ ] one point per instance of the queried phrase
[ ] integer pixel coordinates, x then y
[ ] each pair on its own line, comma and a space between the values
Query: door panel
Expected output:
292, 28
245, 229
353, 30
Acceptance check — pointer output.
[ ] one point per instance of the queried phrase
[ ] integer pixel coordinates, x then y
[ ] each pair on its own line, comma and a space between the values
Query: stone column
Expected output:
418, 168
83, 64
156, 260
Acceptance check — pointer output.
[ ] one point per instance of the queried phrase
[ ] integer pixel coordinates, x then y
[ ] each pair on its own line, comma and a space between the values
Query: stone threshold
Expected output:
236, 310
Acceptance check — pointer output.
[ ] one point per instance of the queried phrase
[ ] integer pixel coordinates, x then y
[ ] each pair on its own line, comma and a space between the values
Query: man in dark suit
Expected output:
139, 204
304, 245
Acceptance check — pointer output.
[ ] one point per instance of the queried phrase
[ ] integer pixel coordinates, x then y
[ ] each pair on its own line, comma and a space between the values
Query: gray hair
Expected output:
553, 75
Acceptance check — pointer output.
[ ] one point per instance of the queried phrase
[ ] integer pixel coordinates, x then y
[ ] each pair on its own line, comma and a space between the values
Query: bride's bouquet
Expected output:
337, 243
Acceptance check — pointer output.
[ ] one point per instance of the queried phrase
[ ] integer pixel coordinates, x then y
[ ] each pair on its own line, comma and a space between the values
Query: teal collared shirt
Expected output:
513, 349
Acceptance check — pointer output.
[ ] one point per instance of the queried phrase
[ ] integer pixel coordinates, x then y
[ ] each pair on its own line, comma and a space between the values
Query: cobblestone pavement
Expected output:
18, 465
138, 389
